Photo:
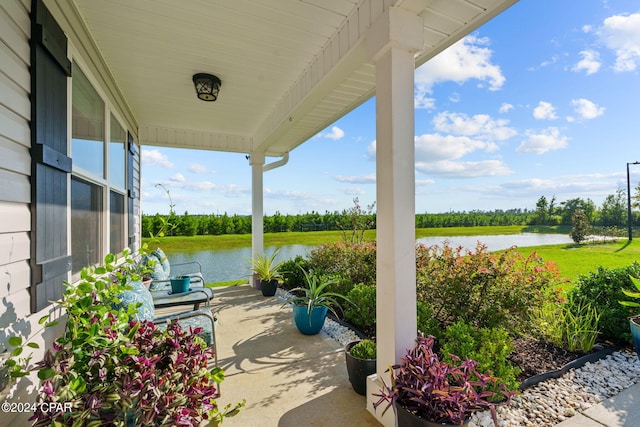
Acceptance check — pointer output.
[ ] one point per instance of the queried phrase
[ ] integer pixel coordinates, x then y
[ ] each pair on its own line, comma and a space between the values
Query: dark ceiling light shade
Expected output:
207, 86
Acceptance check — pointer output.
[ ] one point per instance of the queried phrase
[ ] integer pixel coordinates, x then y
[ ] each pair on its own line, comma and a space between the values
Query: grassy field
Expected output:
572, 260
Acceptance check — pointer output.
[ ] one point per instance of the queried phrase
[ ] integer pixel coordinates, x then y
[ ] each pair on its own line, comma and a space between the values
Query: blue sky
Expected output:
542, 100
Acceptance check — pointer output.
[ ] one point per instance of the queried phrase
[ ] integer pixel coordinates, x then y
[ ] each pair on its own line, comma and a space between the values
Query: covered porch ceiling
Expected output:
289, 68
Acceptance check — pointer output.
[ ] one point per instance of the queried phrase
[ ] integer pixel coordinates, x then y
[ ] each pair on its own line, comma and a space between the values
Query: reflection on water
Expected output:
220, 265
499, 241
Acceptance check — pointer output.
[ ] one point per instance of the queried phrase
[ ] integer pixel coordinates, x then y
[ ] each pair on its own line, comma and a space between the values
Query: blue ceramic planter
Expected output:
180, 284
306, 325
635, 333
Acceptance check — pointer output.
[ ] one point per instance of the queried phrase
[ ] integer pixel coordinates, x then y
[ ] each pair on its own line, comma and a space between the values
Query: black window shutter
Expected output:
50, 68
132, 150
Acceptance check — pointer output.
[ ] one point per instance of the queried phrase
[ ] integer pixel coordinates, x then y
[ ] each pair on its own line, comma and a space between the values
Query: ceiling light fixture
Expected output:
207, 86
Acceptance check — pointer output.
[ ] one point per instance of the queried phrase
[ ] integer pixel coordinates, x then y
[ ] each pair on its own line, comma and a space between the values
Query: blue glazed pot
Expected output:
301, 317
180, 284
634, 322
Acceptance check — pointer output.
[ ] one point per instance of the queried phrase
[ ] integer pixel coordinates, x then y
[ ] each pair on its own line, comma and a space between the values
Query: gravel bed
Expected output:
549, 402
555, 400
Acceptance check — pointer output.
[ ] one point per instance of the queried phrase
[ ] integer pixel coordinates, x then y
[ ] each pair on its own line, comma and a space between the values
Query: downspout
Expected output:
283, 161
258, 168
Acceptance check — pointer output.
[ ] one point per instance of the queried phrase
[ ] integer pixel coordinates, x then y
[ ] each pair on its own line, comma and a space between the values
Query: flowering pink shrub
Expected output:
485, 289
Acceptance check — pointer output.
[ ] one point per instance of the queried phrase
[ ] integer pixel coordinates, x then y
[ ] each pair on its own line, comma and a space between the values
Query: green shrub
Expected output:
490, 347
427, 323
365, 349
603, 289
292, 271
355, 262
487, 289
363, 315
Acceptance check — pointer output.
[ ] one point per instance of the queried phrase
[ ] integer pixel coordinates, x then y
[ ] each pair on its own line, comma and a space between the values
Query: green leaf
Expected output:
16, 352
32, 345
43, 319
46, 373
15, 341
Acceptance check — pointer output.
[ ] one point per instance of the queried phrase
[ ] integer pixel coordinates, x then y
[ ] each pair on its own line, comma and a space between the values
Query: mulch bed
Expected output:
535, 357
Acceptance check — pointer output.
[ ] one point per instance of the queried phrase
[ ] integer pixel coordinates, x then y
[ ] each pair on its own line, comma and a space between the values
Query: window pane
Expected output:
87, 143
116, 154
86, 229
116, 242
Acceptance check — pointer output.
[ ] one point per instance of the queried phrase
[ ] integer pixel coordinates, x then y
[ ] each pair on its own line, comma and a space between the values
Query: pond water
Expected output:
220, 265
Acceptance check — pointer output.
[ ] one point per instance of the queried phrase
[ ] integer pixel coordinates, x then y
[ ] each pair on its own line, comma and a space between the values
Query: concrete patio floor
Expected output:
287, 379
290, 379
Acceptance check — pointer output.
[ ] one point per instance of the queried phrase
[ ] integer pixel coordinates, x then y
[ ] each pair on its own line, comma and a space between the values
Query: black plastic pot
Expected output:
407, 419
268, 287
358, 370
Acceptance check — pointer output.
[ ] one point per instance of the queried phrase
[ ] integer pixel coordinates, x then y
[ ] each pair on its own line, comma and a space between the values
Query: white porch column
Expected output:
392, 43
256, 160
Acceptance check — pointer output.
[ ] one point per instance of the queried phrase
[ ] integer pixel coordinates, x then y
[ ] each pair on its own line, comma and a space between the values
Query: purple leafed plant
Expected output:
438, 391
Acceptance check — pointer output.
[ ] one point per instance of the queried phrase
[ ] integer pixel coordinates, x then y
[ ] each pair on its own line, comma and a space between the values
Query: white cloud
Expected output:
586, 109
354, 191
590, 62
197, 168
547, 140
545, 111
468, 59
451, 169
546, 63
335, 134
155, 157
436, 147
480, 125
178, 178
421, 98
621, 33
505, 107
357, 179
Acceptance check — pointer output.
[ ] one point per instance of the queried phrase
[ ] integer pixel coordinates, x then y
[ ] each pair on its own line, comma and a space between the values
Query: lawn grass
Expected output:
574, 260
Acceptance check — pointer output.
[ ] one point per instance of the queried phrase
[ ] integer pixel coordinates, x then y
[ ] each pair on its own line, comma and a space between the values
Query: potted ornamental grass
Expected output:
267, 271
360, 357
426, 391
312, 303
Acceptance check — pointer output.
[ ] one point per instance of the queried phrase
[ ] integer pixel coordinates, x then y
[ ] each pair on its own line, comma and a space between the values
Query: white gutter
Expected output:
283, 161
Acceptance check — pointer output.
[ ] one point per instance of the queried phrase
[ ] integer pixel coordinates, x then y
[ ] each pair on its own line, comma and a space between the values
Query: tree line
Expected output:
612, 213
